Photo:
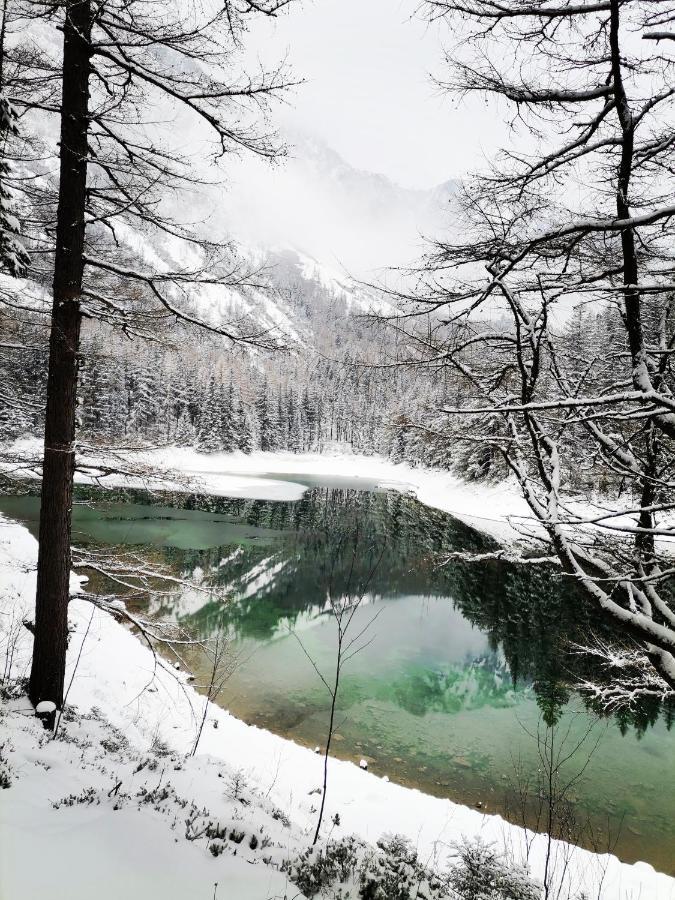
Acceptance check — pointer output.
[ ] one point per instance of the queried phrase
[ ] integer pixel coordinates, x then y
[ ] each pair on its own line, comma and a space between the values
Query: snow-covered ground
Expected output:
495, 509
139, 849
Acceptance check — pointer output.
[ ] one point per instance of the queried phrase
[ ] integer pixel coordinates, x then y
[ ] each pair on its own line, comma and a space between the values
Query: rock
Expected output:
45, 708
363, 764
317, 749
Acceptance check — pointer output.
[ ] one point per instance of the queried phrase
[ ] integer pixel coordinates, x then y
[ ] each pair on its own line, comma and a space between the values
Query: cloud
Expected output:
357, 222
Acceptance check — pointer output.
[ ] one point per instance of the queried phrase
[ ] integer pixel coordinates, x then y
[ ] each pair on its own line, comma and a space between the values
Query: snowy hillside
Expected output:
308, 226
313, 227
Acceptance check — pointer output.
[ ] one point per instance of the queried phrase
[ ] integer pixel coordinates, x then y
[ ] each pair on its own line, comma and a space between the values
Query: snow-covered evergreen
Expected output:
13, 255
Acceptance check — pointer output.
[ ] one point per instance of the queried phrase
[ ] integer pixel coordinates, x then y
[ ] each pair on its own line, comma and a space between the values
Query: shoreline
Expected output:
367, 804
279, 476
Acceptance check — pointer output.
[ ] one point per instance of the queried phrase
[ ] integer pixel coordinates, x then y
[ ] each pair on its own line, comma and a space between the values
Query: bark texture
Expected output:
54, 556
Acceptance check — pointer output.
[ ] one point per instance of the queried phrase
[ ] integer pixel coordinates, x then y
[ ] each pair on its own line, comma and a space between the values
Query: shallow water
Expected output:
456, 663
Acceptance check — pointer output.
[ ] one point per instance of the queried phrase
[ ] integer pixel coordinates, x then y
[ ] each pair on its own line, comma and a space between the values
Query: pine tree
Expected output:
185, 434
400, 440
281, 430
308, 421
13, 256
208, 425
229, 422
294, 435
127, 60
266, 423
244, 429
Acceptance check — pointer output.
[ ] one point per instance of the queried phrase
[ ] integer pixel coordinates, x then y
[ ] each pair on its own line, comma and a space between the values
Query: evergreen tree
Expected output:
244, 429
185, 434
294, 434
13, 256
267, 429
399, 442
208, 425
229, 421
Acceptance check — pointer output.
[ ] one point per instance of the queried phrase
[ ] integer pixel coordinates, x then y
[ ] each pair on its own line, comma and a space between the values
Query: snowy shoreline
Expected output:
282, 770
496, 509
279, 476
441, 490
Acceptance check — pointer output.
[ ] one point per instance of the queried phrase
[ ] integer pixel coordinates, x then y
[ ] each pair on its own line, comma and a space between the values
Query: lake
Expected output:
460, 670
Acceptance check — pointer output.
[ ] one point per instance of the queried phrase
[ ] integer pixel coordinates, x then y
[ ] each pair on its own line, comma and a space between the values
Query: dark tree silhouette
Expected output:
125, 64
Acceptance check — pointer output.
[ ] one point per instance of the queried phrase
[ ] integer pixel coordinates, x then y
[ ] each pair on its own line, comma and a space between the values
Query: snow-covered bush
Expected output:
348, 868
280, 816
483, 874
5, 777
320, 870
394, 872
88, 796
13, 688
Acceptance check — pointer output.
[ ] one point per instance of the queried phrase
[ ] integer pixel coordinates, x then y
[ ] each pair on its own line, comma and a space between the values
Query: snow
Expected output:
91, 851
133, 851
495, 509
45, 707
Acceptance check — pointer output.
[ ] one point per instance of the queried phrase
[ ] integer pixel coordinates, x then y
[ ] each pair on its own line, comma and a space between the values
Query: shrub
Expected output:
318, 869
482, 874
393, 872
5, 778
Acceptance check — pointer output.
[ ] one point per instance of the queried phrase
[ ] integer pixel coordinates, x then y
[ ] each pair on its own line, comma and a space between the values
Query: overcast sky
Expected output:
368, 92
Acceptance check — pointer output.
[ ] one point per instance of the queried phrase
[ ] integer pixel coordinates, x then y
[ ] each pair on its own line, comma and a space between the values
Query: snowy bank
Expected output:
119, 676
495, 509
498, 510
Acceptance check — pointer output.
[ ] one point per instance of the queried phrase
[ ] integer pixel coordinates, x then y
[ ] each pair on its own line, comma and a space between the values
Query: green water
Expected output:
460, 664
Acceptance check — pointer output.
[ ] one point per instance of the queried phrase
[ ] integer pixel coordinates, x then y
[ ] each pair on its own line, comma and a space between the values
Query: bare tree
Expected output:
126, 582
345, 593
222, 663
576, 213
542, 802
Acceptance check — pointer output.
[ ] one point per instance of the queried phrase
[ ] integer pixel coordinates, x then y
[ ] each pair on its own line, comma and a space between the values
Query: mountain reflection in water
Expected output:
463, 659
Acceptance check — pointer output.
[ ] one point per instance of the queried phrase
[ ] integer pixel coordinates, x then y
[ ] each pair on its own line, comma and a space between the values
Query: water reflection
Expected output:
281, 572
464, 658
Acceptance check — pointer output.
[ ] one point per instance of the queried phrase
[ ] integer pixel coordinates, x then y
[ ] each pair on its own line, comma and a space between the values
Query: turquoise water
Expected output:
459, 666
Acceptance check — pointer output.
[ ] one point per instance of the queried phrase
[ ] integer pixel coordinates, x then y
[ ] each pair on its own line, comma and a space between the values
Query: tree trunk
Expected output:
54, 558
